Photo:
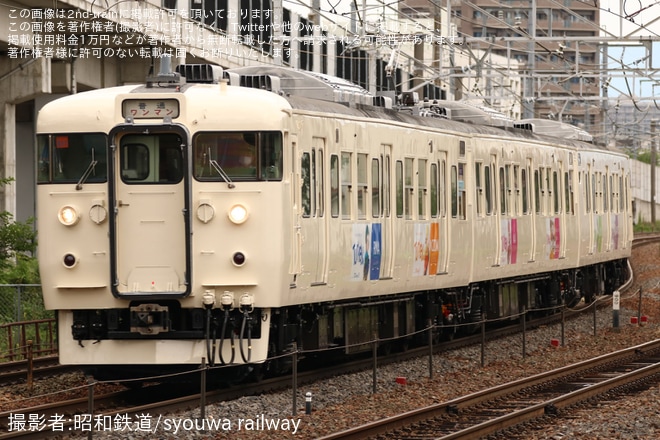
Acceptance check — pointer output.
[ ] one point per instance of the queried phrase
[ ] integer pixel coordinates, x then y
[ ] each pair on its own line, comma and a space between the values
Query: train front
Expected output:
161, 222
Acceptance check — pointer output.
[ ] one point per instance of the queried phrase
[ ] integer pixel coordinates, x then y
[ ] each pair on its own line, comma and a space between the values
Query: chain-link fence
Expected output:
22, 302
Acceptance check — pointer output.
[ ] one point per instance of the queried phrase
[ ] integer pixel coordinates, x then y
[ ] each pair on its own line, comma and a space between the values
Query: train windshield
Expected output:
244, 155
72, 158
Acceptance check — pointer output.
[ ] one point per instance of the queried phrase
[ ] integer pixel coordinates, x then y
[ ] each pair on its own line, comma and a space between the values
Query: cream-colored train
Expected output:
229, 215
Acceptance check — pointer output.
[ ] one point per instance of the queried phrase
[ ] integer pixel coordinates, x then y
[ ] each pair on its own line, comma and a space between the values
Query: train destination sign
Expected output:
150, 108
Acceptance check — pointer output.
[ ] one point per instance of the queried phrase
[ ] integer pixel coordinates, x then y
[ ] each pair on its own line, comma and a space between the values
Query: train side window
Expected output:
568, 188
434, 190
462, 202
387, 175
362, 185
442, 189
488, 189
537, 192
478, 190
422, 189
334, 185
525, 191
587, 192
376, 189
346, 184
606, 194
305, 189
516, 190
593, 193
556, 193
408, 186
622, 194
503, 191
320, 183
399, 188
454, 191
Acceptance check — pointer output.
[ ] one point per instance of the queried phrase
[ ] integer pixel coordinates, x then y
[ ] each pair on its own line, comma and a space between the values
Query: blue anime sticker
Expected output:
366, 249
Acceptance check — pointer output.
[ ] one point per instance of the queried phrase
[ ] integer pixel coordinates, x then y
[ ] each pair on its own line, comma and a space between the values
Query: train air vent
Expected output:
265, 82
200, 73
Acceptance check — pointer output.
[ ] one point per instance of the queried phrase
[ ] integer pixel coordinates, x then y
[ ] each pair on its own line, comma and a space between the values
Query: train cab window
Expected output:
151, 158
346, 184
334, 185
362, 185
422, 189
72, 158
249, 155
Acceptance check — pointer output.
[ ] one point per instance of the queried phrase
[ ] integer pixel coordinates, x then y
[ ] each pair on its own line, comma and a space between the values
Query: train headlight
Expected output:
238, 214
68, 216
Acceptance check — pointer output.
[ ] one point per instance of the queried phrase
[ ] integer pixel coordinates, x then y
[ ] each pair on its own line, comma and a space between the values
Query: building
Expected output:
561, 73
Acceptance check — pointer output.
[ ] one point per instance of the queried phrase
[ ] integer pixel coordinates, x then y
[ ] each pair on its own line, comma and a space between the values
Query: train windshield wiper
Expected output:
87, 172
218, 169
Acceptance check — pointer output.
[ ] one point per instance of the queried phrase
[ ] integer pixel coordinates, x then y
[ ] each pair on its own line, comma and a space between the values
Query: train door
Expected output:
313, 219
296, 243
150, 231
386, 239
563, 208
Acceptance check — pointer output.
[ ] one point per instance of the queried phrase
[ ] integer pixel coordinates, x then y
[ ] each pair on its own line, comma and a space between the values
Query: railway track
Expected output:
17, 371
495, 409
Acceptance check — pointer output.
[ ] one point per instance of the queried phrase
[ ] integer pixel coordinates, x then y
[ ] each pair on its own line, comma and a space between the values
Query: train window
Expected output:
612, 207
547, 208
461, 148
525, 191
479, 191
362, 185
434, 190
537, 192
556, 192
503, 187
606, 194
66, 158
334, 185
346, 181
568, 189
422, 190
442, 188
320, 183
375, 188
461, 192
399, 188
151, 158
516, 190
387, 173
587, 191
305, 190
488, 189
408, 184
248, 155
622, 193
454, 191
594, 192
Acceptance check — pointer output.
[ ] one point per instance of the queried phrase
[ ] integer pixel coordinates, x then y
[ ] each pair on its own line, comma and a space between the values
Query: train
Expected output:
229, 217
